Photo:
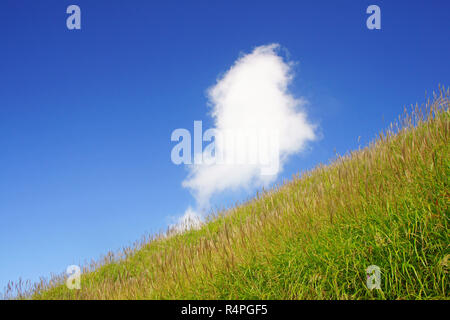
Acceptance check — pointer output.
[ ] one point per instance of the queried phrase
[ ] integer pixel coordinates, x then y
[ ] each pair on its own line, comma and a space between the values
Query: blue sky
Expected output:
86, 115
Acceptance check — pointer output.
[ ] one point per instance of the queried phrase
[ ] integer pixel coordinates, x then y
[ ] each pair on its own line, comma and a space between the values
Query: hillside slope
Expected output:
313, 237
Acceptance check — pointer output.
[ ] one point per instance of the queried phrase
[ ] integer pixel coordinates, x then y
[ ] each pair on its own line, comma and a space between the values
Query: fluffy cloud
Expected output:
252, 94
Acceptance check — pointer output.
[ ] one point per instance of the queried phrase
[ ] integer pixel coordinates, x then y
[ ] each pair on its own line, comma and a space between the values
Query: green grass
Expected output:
310, 238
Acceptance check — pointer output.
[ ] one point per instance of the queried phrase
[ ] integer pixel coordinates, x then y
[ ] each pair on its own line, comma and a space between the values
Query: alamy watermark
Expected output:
234, 146
73, 22
374, 20
74, 277
373, 273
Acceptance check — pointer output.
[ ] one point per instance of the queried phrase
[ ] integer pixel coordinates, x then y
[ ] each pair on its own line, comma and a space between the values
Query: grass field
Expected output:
310, 238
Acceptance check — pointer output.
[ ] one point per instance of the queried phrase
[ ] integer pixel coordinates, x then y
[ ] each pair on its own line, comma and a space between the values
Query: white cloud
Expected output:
252, 94
190, 220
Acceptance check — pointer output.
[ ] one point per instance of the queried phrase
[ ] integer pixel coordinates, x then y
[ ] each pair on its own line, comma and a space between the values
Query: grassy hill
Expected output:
311, 238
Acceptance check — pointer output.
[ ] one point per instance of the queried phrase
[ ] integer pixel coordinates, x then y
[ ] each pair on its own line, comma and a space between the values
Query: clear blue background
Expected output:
86, 116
